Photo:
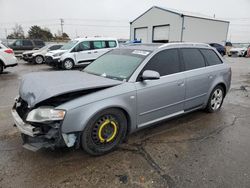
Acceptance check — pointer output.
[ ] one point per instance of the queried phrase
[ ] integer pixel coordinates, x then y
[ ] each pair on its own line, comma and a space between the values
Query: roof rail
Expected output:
188, 44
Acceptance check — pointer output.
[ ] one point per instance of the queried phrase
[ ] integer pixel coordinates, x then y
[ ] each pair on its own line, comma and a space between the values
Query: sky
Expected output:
111, 17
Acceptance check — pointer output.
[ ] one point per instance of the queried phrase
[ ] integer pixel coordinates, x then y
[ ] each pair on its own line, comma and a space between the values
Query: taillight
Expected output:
9, 51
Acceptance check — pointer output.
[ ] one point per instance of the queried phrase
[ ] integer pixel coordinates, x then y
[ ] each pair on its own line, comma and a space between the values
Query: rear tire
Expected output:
216, 99
104, 132
68, 64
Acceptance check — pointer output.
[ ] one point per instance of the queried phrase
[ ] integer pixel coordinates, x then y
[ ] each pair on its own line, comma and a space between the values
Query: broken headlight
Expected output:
44, 114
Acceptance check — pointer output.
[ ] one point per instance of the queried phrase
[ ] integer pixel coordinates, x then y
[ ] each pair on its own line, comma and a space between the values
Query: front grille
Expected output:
22, 108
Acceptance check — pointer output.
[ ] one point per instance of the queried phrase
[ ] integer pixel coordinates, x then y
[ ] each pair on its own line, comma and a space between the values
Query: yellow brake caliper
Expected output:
105, 123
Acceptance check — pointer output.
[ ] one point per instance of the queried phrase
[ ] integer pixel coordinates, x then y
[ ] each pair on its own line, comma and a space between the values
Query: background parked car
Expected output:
228, 46
37, 56
80, 51
21, 45
248, 51
7, 58
221, 49
239, 50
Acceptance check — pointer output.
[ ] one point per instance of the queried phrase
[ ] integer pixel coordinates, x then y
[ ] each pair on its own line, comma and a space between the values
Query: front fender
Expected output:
76, 119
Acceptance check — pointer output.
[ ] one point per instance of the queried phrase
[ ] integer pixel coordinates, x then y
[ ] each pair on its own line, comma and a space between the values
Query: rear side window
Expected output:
193, 59
112, 44
27, 43
99, 44
19, 43
211, 57
165, 62
39, 43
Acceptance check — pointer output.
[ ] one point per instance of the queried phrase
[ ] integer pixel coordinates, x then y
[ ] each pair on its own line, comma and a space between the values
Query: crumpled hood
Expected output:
39, 86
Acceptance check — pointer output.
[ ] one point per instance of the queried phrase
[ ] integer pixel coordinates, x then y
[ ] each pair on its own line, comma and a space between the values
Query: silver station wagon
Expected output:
123, 91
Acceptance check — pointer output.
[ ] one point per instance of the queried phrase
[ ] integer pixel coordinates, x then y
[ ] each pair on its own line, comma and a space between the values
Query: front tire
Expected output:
39, 59
216, 99
68, 64
104, 132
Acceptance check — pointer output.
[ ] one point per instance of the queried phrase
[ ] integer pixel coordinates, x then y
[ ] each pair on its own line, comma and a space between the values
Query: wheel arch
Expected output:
223, 85
69, 58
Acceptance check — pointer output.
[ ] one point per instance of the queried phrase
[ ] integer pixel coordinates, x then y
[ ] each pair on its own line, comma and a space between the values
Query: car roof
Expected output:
155, 46
95, 38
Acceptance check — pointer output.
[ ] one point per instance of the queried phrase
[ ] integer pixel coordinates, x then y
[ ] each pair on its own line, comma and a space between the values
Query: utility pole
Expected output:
62, 23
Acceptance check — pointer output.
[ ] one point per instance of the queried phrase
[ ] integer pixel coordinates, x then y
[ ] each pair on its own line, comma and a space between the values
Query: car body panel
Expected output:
168, 93
36, 87
122, 96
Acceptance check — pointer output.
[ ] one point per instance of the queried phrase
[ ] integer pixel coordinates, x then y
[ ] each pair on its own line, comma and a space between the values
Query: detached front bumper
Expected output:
53, 62
27, 58
38, 136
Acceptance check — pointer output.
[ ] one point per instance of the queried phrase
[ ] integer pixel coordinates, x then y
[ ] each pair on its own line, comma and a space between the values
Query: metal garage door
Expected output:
141, 34
161, 33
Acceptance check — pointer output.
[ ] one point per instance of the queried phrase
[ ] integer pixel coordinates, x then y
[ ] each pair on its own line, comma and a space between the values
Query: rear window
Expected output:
112, 44
99, 44
39, 43
193, 59
211, 57
27, 43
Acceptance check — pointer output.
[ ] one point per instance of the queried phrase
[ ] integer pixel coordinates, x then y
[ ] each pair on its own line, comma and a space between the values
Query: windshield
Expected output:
45, 47
117, 64
69, 45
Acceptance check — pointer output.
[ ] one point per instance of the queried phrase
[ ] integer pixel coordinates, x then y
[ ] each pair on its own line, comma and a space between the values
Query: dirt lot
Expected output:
196, 150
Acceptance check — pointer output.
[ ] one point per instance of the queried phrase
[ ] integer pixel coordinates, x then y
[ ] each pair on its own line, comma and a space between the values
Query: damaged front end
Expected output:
41, 127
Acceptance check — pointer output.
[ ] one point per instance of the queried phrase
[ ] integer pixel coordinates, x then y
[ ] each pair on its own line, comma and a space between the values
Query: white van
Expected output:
80, 51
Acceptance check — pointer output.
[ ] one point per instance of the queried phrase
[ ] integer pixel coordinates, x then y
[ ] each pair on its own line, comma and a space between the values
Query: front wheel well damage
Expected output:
223, 86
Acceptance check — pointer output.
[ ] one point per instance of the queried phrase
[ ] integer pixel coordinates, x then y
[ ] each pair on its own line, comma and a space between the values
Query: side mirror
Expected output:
150, 75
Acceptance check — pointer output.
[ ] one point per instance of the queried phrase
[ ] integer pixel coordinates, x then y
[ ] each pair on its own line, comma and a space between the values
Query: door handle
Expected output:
89, 52
95, 51
181, 84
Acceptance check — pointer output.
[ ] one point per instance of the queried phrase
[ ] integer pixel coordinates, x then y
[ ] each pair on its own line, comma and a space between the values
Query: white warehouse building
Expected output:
164, 25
